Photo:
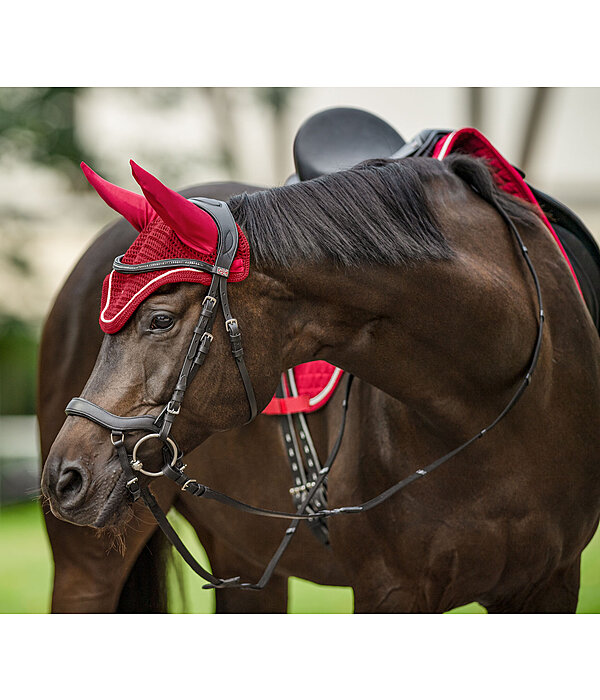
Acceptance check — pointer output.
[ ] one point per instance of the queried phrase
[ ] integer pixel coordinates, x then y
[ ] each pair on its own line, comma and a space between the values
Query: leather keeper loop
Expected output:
193, 487
208, 307
235, 337
174, 473
133, 486
205, 342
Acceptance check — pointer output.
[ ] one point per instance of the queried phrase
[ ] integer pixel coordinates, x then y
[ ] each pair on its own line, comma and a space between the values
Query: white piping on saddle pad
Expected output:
322, 394
442, 153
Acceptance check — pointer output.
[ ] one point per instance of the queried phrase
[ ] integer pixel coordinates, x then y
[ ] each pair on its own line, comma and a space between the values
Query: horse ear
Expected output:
193, 226
129, 204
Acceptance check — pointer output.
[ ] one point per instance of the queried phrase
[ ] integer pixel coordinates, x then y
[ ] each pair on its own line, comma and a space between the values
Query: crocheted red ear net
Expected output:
123, 293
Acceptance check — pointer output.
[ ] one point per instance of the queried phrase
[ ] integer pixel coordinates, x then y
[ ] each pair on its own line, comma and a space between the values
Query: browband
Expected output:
127, 269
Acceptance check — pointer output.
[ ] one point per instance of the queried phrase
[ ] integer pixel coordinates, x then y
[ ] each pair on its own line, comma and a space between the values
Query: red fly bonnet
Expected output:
170, 227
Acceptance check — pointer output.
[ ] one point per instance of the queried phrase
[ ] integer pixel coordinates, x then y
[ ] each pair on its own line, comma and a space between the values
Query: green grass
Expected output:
25, 560
26, 573
303, 596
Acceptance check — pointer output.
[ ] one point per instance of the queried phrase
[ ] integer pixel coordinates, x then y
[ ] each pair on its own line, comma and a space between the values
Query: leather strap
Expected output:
303, 459
175, 540
127, 269
87, 409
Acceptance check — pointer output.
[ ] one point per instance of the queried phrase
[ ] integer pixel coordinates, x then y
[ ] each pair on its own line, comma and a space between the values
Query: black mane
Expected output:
377, 212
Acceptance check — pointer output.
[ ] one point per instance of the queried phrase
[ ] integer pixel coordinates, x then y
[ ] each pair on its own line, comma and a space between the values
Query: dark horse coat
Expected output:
446, 337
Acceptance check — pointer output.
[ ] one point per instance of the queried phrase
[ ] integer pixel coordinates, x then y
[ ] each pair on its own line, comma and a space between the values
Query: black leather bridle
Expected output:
159, 427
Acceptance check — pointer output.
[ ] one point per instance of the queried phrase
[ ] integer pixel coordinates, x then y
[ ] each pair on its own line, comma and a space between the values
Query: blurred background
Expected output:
49, 216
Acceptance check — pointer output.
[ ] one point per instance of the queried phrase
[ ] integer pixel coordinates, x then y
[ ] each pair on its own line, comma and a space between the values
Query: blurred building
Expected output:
200, 135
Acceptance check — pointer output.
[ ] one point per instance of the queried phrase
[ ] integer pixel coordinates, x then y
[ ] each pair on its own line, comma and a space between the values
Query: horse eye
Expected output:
161, 322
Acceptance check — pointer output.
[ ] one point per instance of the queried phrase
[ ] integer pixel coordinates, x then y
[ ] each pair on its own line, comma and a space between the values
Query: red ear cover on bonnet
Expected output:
130, 205
193, 226
170, 227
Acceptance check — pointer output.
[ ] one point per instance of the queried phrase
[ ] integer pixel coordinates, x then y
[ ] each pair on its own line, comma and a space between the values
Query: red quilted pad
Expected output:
309, 388
474, 143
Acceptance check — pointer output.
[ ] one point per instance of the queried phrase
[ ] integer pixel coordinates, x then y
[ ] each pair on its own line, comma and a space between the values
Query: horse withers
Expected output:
402, 273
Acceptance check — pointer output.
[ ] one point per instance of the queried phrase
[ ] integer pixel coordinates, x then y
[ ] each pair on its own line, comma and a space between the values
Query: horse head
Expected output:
150, 312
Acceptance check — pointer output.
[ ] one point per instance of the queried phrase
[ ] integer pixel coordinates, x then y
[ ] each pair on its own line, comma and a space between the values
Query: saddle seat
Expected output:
338, 138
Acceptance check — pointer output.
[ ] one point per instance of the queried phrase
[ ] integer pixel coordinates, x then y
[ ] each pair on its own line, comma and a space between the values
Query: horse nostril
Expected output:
70, 485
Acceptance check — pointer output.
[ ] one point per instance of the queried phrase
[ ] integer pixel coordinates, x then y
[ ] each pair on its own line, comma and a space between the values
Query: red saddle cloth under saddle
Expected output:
473, 143
310, 386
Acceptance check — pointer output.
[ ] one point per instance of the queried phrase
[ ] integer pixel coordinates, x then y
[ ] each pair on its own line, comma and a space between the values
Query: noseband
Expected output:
160, 426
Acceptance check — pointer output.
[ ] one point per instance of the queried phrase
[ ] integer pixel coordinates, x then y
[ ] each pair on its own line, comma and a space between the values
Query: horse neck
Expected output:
449, 339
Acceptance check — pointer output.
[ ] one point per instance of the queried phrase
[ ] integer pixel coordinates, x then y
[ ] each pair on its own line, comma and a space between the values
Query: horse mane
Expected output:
377, 212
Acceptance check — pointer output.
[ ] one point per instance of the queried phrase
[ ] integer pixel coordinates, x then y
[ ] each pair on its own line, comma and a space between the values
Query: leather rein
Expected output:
159, 427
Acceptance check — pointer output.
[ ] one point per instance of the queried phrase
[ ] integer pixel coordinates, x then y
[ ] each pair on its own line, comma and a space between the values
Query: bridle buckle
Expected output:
171, 410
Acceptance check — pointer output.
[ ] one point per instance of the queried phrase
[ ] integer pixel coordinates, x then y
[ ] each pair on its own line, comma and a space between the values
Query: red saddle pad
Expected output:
473, 143
308, 387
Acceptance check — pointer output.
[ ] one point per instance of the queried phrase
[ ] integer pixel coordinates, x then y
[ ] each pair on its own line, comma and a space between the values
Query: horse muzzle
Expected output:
86, 490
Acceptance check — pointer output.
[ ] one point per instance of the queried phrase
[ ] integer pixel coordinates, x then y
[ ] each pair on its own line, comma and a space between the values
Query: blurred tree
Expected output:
475, 107
532, 131
18, 357
220, 100
39, 124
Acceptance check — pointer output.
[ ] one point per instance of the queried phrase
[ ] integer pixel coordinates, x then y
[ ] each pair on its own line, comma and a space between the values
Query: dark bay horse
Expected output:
124, 569
402, 273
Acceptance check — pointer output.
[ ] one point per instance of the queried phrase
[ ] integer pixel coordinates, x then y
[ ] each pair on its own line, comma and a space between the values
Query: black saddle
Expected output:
341, 137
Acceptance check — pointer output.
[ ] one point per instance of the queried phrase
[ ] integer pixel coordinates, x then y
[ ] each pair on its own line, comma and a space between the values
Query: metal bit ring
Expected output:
139, 467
